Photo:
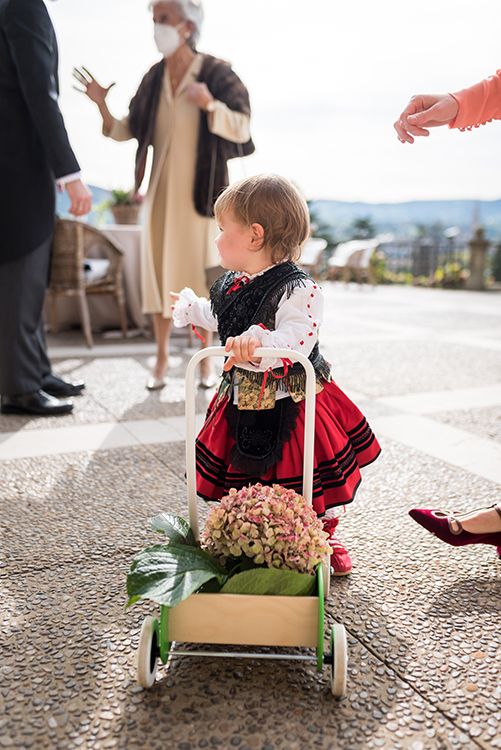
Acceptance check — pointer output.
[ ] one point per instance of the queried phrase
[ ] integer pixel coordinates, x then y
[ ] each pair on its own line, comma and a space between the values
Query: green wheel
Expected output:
339, 668
147, 652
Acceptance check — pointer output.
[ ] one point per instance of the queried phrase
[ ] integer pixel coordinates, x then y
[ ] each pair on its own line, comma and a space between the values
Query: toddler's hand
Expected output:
242, 349
174, 297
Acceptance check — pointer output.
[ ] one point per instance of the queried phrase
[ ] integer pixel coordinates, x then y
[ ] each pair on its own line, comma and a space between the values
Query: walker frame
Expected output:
242, 619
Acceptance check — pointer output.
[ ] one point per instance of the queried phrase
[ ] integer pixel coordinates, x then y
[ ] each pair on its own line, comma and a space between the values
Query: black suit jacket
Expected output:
34, 145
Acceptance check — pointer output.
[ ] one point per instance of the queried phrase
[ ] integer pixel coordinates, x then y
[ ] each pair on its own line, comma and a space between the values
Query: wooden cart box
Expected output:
242, 619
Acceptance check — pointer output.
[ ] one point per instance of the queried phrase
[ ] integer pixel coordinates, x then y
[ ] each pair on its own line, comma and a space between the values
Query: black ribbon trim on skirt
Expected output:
330, 474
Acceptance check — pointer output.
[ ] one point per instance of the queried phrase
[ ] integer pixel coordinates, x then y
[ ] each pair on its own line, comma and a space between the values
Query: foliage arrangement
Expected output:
260, 540
122, 198
271, 526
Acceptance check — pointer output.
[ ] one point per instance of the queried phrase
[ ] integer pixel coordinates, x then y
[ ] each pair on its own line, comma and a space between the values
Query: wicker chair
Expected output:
73, 242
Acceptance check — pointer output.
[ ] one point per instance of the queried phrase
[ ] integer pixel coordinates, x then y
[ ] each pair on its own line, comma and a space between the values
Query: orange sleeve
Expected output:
478, 104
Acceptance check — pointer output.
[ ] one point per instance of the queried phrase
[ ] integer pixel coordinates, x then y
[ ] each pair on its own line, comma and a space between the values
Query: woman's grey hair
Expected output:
193, 11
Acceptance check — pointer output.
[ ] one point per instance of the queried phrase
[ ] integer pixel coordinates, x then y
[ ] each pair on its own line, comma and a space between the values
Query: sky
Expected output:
327, 79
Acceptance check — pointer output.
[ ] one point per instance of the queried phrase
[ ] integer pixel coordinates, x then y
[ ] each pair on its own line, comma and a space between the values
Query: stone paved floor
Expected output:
422, 618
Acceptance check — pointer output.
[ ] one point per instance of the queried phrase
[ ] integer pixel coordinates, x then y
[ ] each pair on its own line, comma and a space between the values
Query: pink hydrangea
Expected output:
273, 526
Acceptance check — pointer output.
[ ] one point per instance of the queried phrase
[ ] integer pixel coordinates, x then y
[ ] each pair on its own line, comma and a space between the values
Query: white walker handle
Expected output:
309, 420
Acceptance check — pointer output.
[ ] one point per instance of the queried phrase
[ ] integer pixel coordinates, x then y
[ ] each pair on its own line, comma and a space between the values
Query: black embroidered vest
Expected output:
260, 435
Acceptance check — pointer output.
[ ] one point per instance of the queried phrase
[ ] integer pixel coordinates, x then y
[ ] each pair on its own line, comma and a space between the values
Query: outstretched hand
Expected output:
88, 85
425, 111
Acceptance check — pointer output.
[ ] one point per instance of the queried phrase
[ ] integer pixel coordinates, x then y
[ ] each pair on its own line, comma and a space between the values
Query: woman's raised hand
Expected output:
425, 111
88, 85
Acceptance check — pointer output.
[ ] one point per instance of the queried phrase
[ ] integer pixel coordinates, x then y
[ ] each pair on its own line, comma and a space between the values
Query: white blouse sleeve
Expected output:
190, 309
229, 124
119, 130
297, 324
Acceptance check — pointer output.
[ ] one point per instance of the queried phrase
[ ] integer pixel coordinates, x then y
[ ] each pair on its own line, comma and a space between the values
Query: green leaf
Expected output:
169, 573
271, 581
175, 528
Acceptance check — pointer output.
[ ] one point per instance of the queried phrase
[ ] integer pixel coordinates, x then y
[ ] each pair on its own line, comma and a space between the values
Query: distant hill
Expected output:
402, 218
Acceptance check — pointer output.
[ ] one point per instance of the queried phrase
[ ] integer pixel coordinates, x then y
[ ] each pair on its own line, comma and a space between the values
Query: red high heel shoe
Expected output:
447, 528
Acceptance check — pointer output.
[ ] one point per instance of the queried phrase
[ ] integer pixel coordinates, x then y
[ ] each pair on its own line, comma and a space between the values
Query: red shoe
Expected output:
340, 559
447, 528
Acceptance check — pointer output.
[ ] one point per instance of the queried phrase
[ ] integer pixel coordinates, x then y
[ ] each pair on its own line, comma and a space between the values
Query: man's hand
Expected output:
425, 111
199, 94
80, 197
242, 349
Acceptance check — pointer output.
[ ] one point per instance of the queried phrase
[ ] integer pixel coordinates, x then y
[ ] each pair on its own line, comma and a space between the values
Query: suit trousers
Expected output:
23, 355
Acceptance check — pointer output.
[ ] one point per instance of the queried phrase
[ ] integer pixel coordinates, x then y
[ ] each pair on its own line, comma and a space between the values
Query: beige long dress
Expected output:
178, 244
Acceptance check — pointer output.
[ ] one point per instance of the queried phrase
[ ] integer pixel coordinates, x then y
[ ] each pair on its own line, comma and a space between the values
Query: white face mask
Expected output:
167, 38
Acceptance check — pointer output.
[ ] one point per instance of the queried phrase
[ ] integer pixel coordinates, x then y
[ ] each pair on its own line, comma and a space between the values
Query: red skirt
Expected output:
344, 443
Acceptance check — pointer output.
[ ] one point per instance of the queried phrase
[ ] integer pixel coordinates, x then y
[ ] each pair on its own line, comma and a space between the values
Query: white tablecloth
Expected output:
128, 239
103, 310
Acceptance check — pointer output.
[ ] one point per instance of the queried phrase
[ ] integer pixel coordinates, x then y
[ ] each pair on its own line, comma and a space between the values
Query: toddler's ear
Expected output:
257, 236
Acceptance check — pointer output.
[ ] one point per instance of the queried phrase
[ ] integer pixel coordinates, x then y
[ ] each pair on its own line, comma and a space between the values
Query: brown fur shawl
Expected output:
213, 152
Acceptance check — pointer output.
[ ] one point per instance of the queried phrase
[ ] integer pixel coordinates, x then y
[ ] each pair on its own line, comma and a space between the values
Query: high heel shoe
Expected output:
208, 378
156, 384
449, 529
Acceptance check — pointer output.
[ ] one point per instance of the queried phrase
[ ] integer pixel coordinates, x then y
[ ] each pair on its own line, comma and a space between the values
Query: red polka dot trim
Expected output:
310, 333
301, 343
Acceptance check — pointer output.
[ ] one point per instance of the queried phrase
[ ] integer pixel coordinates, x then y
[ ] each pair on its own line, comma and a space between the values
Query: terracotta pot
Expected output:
126, 214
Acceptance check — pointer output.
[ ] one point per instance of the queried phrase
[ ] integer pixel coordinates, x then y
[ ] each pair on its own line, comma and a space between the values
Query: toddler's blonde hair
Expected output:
274, 203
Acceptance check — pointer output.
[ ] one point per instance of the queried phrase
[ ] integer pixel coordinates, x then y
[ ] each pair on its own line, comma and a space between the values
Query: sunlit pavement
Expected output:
422, 617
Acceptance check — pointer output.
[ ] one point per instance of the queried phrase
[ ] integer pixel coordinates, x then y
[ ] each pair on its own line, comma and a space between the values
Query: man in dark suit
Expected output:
35, 156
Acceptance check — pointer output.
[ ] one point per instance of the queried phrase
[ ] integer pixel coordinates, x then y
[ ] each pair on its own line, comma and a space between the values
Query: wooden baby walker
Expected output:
242, 619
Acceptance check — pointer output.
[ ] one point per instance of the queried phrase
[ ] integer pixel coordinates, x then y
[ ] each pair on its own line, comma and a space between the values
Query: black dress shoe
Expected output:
38, 403
61, 388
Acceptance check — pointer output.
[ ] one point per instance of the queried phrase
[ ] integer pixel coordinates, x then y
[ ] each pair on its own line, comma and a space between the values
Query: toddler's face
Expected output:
233, 243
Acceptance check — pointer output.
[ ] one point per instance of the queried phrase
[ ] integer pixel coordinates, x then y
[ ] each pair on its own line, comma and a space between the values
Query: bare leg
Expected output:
161, 328
485, 521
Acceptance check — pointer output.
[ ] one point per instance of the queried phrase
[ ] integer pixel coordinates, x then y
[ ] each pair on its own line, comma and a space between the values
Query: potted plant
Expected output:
125, 206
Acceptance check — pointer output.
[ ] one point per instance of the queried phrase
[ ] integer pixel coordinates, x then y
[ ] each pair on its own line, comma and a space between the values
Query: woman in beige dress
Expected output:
194, 112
